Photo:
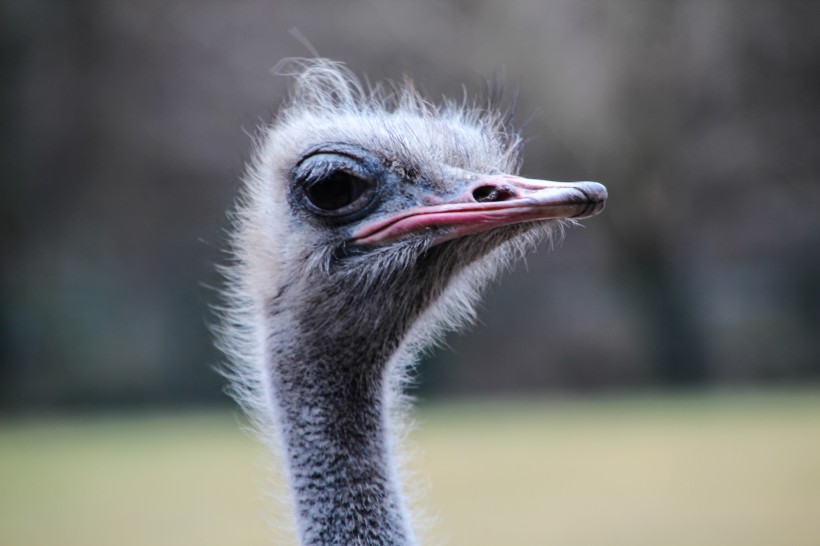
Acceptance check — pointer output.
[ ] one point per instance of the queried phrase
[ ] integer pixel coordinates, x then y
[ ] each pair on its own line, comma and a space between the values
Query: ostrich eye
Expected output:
339, 193
336, 185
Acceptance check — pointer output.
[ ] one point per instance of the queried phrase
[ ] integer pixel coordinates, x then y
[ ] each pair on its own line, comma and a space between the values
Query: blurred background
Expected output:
124, 128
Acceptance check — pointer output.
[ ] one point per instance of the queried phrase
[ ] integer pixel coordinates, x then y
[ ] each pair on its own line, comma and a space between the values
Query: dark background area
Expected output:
124, 127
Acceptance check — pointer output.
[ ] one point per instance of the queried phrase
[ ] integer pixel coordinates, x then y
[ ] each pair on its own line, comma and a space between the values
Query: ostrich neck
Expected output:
336, 444
332, 389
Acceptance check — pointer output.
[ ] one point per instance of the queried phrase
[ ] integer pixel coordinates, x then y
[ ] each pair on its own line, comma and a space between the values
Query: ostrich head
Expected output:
369, 221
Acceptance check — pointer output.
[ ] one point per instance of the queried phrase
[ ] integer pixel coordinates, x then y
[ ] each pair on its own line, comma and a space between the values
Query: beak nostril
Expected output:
489, 193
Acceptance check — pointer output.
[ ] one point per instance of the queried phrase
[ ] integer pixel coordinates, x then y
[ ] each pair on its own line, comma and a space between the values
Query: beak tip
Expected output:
594, 190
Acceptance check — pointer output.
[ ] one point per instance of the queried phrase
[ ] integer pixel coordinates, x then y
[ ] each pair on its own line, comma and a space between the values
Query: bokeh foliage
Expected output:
125, 129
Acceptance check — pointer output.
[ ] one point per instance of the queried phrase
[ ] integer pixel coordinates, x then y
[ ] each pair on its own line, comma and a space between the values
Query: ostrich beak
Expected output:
487, 203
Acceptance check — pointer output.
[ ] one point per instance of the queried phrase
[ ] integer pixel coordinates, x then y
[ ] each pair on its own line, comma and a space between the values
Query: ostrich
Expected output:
369, 220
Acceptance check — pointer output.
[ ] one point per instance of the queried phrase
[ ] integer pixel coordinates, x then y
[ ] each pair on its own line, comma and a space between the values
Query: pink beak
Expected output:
490, 202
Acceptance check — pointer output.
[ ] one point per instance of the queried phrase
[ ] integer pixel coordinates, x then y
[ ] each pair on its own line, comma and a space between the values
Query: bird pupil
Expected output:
336, 191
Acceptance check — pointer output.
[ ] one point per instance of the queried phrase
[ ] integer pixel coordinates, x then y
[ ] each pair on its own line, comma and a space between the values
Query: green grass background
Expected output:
713, 469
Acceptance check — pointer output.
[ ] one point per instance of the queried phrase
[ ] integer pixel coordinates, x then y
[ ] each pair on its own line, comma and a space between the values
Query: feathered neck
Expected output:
333, 349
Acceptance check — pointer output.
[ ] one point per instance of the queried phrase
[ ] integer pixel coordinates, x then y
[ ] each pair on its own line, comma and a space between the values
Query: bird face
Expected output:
368, 199
371, 197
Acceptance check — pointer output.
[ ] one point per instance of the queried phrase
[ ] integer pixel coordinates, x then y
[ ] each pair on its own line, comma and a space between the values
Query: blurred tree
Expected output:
125, 126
